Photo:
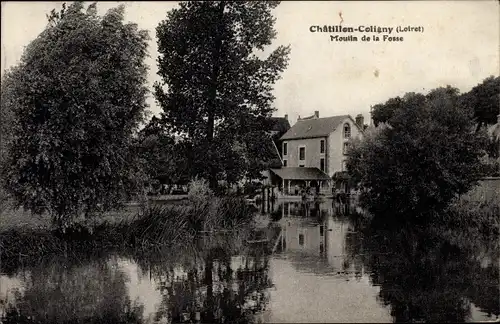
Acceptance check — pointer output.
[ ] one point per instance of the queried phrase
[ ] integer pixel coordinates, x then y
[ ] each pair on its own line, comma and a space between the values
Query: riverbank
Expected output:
23, 235
19, 218
462, 213
15, 218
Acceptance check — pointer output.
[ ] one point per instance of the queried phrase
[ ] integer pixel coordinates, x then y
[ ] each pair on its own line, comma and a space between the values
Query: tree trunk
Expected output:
212, 91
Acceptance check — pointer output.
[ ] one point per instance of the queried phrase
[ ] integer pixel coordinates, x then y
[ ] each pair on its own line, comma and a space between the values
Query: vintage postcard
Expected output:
250, 162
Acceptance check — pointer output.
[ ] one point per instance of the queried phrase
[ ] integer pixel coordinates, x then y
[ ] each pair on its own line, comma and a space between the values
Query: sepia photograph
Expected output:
250, 162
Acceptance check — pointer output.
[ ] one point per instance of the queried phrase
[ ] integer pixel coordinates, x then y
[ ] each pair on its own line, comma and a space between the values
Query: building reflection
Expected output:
317, 237
423, 275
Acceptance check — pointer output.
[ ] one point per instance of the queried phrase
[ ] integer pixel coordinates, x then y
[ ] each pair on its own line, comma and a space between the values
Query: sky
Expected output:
459, 46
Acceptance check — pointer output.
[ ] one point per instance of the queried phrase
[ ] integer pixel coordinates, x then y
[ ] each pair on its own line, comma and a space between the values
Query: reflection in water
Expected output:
420, 276
58, 292
310, 263
220, 288
321, 237
425, 278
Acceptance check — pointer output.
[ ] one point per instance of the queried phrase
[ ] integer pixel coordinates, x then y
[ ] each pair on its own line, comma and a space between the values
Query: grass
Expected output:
18, 218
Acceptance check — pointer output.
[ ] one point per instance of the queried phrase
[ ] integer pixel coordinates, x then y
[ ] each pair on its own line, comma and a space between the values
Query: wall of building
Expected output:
313, 154
336, 142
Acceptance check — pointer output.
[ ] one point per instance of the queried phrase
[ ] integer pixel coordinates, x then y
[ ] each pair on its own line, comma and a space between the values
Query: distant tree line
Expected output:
483, 100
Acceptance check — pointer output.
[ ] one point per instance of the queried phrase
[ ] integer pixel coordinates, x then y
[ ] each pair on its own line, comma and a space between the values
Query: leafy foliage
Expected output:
468, 213
382, 113
484, 99
77, 97
216, 91
163, 159
423, 157
6, 112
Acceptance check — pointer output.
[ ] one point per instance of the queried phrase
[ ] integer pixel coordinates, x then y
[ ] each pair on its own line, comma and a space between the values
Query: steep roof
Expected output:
311, 128
279, 124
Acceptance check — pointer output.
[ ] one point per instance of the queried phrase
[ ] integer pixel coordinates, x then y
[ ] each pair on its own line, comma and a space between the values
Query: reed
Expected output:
159, 225
169, 224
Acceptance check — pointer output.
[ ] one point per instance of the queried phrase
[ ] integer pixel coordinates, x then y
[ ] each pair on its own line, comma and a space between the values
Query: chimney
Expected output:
316, 114
360, 120
286, 116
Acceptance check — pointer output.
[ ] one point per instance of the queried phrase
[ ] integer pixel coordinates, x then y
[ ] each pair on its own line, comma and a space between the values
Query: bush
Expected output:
491, 167
199, 191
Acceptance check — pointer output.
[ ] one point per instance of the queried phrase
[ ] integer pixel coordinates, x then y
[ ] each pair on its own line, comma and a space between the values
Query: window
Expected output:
347, 130
346, 147
322, 146
302, 153
285, 148
284, 163
322, 164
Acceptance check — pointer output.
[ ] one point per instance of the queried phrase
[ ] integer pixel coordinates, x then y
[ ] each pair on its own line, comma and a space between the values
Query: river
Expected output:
303, 262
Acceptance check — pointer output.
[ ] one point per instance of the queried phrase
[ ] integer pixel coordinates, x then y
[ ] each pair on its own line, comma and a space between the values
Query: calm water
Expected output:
303, 263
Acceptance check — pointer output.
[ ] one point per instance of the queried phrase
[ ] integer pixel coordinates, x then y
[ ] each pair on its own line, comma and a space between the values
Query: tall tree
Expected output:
78, 96
215, 90
425, 155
